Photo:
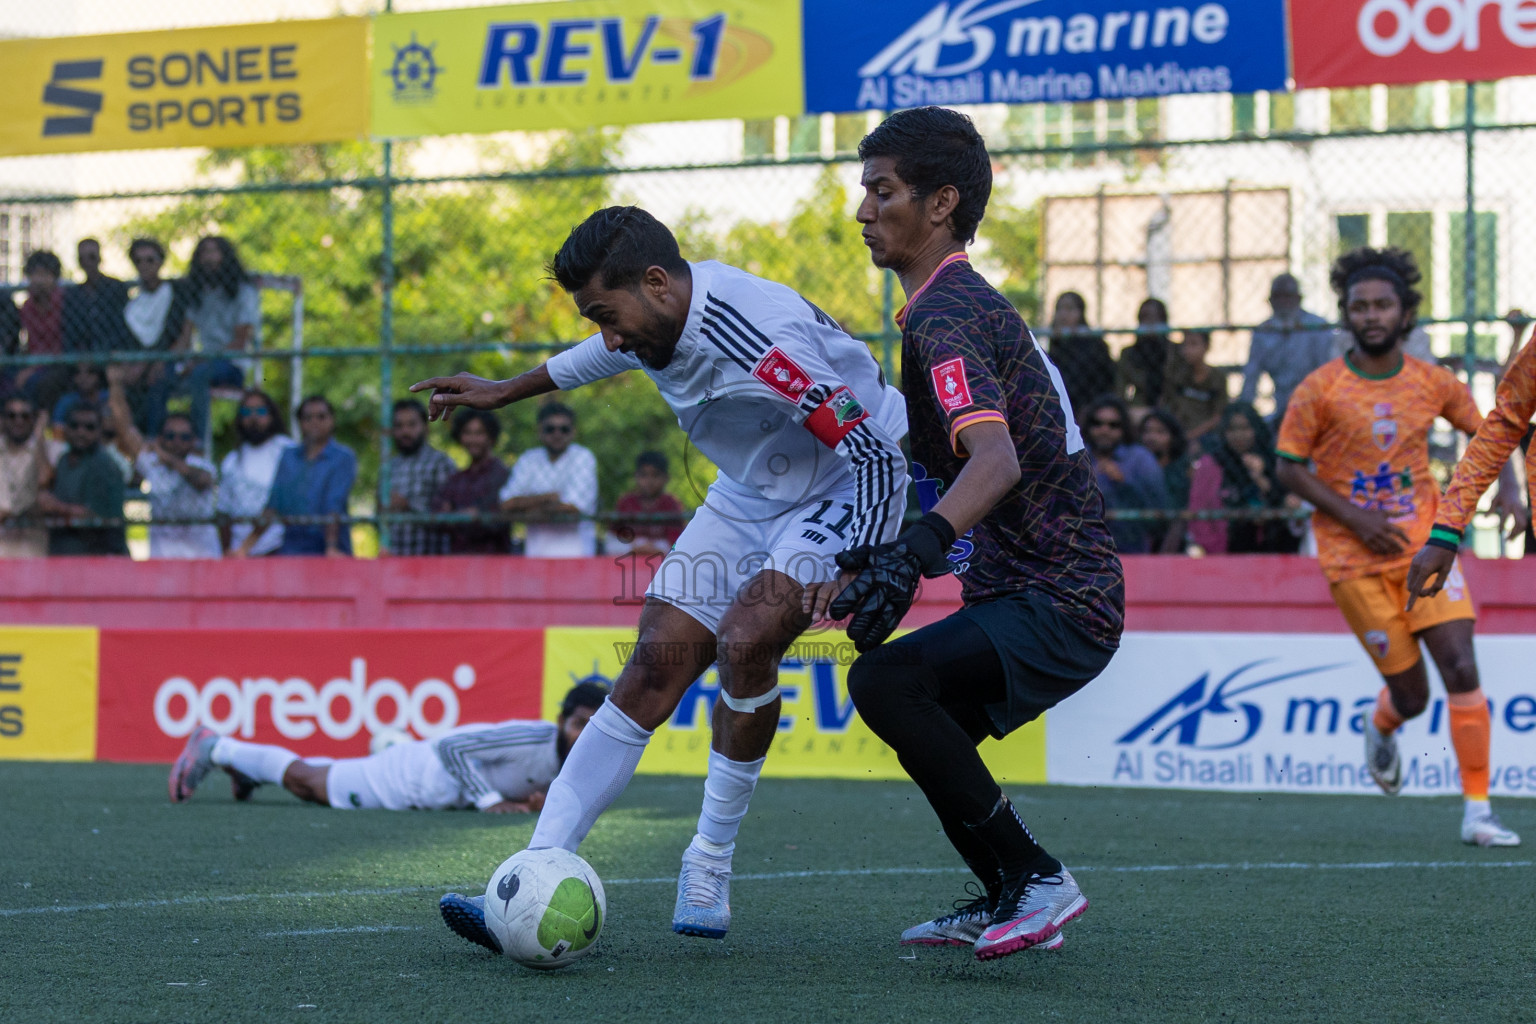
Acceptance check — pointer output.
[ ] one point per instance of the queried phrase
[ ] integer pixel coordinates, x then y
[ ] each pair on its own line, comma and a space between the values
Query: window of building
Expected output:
1349, 109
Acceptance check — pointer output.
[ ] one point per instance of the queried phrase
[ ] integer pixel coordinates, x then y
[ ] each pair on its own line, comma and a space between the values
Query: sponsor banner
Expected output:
584, 62
951, 52
319, 692
1362, 42
1279, 712
820, 734
47, 693
235, 85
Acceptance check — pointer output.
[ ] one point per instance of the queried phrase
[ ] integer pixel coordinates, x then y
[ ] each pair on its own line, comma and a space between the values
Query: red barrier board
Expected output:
1363, 42
324, 693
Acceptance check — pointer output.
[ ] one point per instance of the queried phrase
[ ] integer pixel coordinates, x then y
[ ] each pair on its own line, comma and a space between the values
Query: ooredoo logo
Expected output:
296, 708
1386, 27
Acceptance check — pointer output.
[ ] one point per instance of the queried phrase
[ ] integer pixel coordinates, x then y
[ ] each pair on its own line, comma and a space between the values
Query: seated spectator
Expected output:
415, 474
647, 520
93, 309
225, 310
476, 487
1286, 347
1142, 367
1128, 475
87, 484
246, 475
155, 315
42, 321
558, 479
1194, 391
90, 388
1079, 352
1162, 435
1238, 473
313, 478
182, 484
24, 471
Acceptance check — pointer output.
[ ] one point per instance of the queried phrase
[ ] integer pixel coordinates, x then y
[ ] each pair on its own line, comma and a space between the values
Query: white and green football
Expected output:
545, 907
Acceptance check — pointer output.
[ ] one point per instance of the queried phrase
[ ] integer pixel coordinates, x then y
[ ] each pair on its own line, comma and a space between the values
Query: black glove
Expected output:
888, 573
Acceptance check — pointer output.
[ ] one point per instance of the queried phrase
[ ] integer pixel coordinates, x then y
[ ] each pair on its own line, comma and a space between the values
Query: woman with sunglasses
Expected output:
246, 475
1128, 475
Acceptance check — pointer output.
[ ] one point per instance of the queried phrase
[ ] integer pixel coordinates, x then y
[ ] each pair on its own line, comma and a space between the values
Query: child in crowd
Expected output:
647, 520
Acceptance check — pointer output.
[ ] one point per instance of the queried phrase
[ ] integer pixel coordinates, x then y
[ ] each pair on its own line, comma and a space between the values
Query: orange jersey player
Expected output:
1480, 465
1363, 420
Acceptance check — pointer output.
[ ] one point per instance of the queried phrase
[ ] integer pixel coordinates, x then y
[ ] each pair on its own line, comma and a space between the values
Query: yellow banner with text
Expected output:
279, 83
820, 735
584, 62
48, 693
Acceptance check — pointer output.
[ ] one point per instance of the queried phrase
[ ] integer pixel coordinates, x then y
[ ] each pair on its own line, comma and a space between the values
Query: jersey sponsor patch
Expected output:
779, 372
831, 421
950, 385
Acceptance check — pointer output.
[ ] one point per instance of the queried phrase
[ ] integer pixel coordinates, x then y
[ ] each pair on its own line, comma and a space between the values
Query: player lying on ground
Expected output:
806, 435
999, 463
1364, 420
502, 768
1481, 464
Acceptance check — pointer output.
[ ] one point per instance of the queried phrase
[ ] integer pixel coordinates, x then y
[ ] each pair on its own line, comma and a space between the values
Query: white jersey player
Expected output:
503, 767
806, 434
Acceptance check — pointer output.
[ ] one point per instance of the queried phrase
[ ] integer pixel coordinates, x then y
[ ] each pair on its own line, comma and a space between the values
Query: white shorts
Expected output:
734, 536
405, 777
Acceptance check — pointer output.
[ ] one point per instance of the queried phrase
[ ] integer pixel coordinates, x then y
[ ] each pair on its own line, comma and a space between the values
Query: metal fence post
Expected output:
386, 340
1469, 231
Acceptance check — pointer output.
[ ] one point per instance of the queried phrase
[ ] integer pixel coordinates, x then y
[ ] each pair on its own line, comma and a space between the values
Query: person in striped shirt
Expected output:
502, 768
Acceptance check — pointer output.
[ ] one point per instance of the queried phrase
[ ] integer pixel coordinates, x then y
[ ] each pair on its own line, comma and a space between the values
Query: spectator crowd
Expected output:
79, 438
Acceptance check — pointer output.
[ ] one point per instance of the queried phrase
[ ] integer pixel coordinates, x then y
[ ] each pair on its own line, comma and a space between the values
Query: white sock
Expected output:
261, 762
727, 790
595, 772
1476, 809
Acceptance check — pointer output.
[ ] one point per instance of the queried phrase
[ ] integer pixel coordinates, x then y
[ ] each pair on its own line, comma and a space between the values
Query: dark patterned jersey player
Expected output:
1001, 469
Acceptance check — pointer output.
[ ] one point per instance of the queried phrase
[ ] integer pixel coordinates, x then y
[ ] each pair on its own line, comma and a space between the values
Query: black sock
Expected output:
1010, 840
977, 855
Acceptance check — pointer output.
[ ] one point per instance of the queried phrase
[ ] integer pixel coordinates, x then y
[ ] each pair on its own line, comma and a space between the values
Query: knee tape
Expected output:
749, 704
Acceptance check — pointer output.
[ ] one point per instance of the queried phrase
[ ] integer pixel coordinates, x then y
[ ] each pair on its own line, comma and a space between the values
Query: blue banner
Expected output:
909, 53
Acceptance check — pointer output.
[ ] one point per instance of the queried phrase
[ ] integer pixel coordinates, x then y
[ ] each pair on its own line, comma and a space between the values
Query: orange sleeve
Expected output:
1459, 407
1492, 444
1298, 431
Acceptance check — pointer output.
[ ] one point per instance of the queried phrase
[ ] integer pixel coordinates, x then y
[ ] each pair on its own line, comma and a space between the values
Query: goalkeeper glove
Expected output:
888, 574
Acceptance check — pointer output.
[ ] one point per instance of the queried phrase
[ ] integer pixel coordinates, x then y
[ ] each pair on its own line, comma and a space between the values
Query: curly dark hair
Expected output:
487, 420
1395, 266
933, 147
230, 275
1178, 444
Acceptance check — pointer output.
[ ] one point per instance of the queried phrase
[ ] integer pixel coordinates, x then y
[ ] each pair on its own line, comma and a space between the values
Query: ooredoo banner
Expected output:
1280, 712
235, 85
320, 692
1338, 43
820, 735
917, 52
584, 62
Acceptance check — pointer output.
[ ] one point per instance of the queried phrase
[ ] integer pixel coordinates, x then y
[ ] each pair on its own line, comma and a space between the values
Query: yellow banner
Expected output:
48, 693
584, 62
235, 85
820, 735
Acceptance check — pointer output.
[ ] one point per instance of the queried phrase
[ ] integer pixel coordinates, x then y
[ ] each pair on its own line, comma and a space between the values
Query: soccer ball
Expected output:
545, 907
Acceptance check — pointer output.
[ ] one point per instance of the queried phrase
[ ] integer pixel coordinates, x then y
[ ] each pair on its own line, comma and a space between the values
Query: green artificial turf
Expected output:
1204, 907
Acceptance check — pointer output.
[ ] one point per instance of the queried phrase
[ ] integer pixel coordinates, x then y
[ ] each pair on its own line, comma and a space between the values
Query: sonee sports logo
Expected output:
1200, 704
86, 103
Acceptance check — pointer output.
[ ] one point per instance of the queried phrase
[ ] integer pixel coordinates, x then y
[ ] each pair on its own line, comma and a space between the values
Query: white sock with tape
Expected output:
727, 791
595, 772
258, 760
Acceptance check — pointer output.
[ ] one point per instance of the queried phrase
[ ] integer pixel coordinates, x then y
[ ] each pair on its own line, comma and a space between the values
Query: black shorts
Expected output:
1047, 656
